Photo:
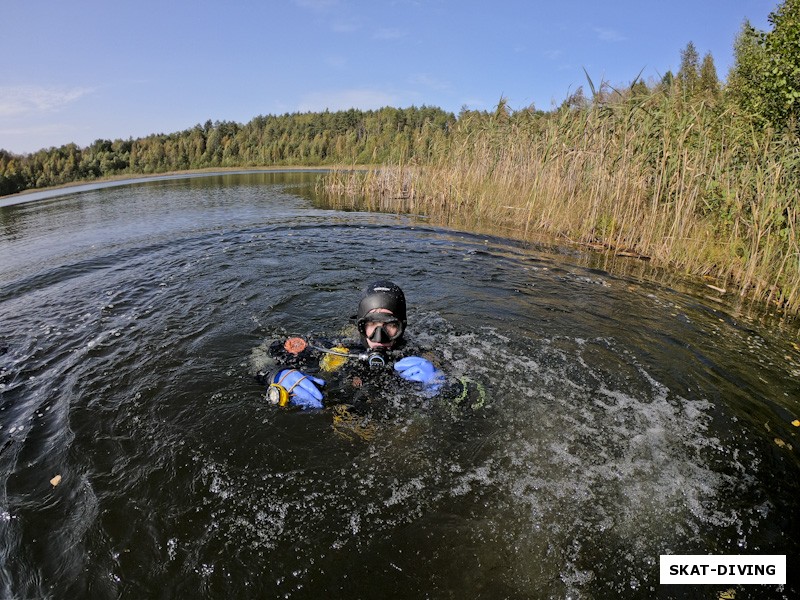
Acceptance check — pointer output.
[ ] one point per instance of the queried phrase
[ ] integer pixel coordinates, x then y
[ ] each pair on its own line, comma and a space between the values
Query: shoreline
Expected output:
522, 235
36, 194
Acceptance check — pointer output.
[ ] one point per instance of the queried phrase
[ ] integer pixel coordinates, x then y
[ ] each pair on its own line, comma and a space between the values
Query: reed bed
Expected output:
685, 183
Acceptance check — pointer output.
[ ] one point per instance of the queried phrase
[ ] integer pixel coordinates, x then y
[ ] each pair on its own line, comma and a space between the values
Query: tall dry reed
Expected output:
684, 183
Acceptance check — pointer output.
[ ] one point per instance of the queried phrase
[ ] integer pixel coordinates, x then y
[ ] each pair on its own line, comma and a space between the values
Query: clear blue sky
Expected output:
87, 69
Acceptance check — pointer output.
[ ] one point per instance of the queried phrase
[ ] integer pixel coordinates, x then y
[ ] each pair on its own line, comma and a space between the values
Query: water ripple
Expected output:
622, 420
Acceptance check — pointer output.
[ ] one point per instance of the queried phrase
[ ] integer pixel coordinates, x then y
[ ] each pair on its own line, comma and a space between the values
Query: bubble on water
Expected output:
401, 492
480, 477
355, 523
172, 548
218, 485
269, 525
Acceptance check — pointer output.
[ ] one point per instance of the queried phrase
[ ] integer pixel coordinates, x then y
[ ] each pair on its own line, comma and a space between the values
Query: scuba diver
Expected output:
309, 373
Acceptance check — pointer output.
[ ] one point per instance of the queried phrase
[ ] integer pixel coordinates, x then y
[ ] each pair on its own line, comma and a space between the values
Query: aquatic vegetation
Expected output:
691, 174
681, 180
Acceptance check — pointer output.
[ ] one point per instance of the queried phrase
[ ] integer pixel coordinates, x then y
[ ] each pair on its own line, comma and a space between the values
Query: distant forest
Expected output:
761, 95
300, 139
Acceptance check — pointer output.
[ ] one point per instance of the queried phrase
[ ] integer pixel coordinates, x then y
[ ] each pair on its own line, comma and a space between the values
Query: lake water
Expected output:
624, 419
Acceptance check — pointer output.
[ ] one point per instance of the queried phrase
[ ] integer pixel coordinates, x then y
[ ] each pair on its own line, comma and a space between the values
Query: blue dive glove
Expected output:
416, 368
295, 388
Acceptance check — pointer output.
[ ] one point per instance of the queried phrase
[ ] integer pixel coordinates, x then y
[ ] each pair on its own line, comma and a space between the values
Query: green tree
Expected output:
782, 46
639, 88
708, 83
667, 81
746, 80
689, 73
11, 179
765, 78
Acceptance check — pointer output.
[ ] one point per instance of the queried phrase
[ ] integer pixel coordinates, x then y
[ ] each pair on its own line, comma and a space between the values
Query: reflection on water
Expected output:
624, 419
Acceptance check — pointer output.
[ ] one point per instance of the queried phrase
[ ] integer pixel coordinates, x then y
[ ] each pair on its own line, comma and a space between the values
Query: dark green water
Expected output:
624, 419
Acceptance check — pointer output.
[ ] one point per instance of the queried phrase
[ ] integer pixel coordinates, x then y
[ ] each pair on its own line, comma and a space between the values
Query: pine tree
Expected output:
689, 73
708, 83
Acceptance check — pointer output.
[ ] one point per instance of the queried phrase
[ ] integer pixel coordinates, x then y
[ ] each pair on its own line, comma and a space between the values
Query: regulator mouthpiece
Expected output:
375, 360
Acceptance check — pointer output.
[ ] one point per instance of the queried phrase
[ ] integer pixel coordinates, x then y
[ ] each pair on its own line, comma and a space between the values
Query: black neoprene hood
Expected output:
383, 294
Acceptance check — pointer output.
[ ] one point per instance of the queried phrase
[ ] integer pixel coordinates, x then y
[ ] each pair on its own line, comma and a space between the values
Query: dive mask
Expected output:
388, 327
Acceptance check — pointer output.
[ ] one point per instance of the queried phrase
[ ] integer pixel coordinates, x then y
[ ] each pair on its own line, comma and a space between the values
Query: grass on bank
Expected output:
686, 182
